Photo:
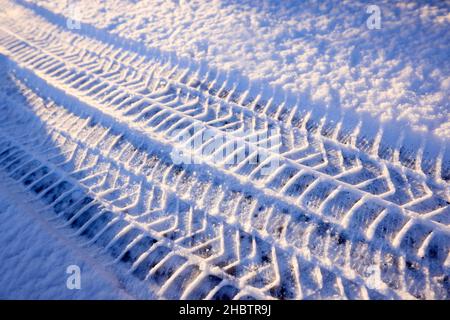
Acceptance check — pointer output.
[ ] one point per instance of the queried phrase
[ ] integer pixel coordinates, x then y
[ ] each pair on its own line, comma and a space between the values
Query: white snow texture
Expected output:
87, 121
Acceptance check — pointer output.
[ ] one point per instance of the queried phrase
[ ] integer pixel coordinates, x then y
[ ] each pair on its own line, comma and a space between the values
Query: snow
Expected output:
34, 260
322, 52
349, 198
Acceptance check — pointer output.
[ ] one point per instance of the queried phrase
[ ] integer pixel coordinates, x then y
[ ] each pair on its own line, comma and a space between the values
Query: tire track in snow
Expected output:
316, 228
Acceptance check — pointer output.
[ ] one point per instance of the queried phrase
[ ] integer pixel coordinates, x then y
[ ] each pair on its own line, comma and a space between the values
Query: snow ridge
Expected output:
391, 140
354, 210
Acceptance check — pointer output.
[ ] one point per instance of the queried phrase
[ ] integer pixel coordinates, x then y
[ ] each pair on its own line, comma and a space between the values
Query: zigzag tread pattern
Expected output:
333, 220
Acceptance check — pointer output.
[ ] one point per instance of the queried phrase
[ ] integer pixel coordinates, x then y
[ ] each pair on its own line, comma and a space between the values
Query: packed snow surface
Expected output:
35, 261
320, 50
224, 150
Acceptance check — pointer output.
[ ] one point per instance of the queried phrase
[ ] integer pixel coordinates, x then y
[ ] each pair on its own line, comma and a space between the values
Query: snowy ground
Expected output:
335, 180
323, 52
35, 260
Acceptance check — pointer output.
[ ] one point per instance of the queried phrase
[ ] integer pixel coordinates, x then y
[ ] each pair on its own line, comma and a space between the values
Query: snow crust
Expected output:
324, 52
34, 261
